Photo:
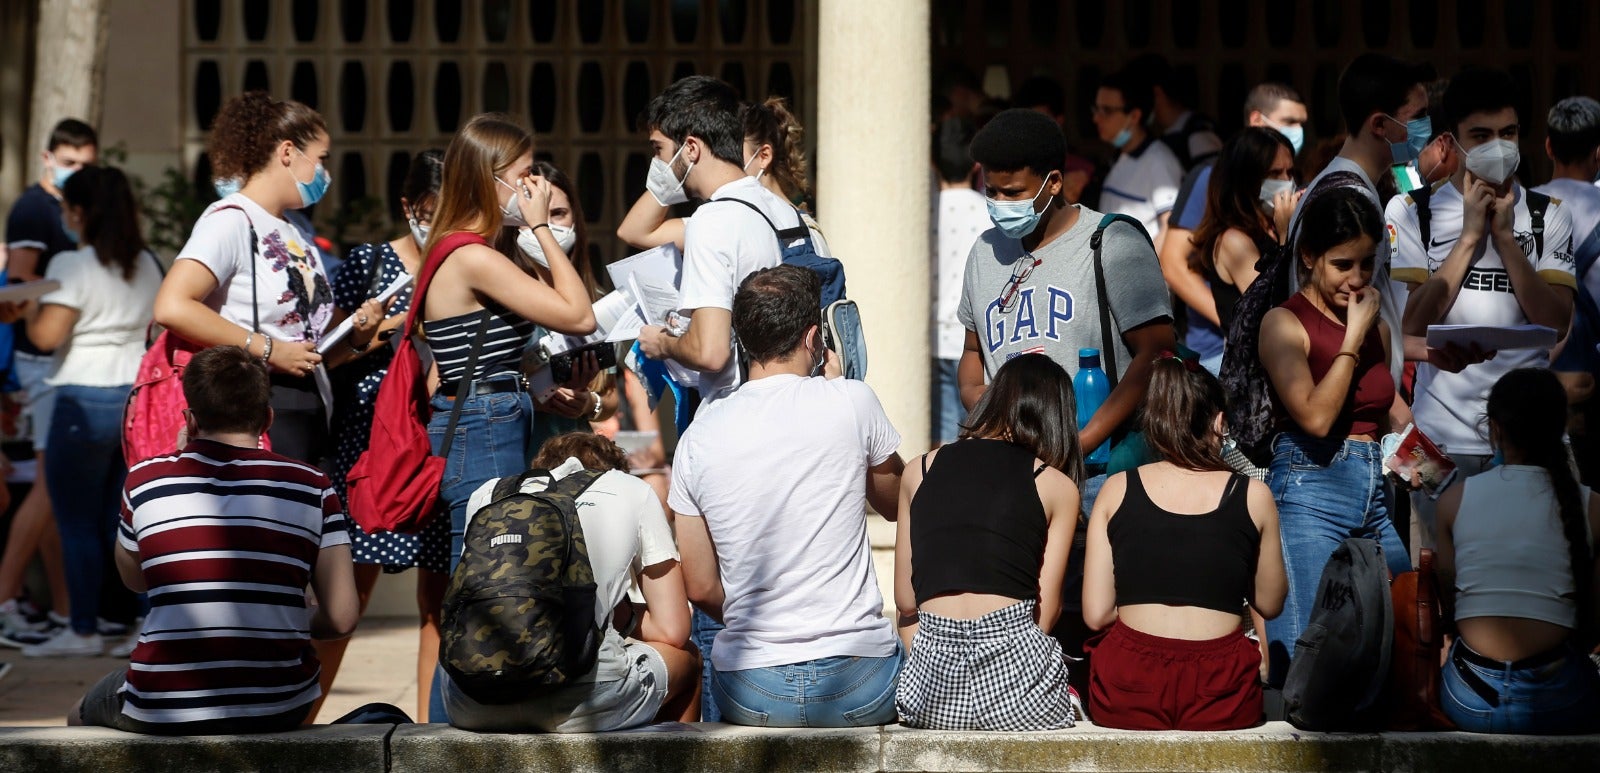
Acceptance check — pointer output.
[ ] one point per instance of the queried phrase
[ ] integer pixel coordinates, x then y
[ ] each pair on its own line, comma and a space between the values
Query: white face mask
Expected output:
1271, 188
528, 242
1494, 161
664, 184
510, 214
418, 231
752, 160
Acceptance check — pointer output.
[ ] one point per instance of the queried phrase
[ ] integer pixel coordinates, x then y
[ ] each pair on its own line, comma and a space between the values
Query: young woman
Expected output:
1326, 353
95, 324
1516, 564
1248, 206
366, 271
774, 146
979, 570
1176, 548
488, 185
248, 277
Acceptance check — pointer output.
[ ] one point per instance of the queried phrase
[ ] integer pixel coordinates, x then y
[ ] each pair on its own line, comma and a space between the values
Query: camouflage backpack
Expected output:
519, 615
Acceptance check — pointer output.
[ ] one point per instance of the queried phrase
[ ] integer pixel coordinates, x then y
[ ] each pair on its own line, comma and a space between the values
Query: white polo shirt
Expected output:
1449, 406
1143, 184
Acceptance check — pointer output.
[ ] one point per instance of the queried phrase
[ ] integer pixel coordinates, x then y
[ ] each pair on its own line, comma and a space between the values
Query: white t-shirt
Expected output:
963, 216
624, 530
114, 316
1449, 406
778, 470
1581, 200
1143, 184
291, 288
723, 244
1202, 143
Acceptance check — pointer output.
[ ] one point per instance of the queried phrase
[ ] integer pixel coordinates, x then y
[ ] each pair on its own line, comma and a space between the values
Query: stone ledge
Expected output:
437, 748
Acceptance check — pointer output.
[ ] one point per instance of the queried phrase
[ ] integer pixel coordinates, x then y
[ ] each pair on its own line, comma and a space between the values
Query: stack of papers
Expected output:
650, 279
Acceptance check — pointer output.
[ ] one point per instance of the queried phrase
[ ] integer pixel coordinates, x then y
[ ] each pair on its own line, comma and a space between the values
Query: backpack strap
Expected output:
1107, 334
1423, 197
1537, 204
444, 249
578, 482
785, 235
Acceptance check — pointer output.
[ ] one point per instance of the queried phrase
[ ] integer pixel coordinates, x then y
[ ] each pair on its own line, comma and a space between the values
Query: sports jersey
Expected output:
1449, 406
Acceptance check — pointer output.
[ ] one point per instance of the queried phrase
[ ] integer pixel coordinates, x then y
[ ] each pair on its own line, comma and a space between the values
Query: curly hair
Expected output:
771, 123
250, 125
594, 452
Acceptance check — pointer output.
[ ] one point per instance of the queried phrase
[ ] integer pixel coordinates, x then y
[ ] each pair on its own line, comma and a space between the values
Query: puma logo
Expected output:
505, 539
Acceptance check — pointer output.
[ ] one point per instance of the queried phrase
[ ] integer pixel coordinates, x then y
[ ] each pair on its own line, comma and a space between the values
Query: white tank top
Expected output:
1511, 555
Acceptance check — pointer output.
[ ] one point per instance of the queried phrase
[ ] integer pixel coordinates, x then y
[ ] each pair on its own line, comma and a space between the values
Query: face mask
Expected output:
1271, 188
510, 213
1295, 134
418, 231
1494, 161
759, 172
1418, 132
312, 192
819, 355
528, 242
1016, 219
1123, 138
67, 229
226, 188
664, 184
59, 174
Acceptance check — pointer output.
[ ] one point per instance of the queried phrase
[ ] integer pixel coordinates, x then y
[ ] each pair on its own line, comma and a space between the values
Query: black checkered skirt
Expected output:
995, 672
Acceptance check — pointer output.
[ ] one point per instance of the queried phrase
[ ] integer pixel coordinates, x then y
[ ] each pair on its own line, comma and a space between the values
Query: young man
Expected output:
1485, 263
1274, 106
651, 675
225, 538
1190, 136
960, 219
698, 147
770, 486
34, 235
1573, 145
1144, 180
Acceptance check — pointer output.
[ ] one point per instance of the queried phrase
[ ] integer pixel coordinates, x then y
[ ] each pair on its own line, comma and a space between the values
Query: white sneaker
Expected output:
67, 644
125, 648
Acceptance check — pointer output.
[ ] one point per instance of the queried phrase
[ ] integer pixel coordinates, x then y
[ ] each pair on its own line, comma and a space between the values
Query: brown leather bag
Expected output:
1414, 668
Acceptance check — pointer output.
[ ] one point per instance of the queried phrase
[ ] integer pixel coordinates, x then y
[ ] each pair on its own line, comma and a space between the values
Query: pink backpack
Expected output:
153, 415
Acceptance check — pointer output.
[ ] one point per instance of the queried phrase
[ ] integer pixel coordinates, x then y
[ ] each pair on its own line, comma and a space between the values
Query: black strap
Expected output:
1107, 333
1232, 489
1041, 468
925, 464
1423, 197
785, 235
1537, 204
465, 382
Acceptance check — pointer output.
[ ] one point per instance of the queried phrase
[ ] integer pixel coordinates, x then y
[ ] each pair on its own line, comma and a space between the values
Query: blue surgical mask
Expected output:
1017, 219
1498, 459
226, 187
71, 234
312, 192
1418, 132
59, 175
1123, 138
1295, 134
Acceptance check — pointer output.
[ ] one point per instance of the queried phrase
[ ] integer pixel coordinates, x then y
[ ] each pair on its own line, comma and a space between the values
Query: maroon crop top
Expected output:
1366, 407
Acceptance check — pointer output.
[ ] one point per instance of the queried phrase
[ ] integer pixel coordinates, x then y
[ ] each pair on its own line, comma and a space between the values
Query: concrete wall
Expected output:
144, 85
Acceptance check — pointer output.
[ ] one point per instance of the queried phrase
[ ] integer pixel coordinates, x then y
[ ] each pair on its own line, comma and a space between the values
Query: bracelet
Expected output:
266, 349
1351, 355
533, 228
599, 406
248, 337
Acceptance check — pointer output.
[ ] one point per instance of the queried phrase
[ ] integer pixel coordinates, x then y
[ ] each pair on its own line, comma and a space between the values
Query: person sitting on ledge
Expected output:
225, 538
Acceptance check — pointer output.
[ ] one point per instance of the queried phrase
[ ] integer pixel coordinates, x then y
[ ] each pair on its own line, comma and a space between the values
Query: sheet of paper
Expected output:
325, 391
27, 291
608, 312
1492, 339
656, 296
665, 261
343, 328
627, 326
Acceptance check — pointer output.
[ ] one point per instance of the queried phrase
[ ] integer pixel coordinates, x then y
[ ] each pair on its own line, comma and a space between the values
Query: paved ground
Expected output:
379, 666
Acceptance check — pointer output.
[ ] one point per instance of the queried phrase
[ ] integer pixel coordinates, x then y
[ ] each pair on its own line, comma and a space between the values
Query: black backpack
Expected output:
1341, 661
519, 615
1178, 142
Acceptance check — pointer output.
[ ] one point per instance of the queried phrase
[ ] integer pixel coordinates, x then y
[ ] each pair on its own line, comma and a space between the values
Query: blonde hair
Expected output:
469, 197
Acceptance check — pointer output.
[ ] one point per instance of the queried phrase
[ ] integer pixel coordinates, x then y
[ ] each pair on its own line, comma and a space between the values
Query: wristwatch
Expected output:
599, 406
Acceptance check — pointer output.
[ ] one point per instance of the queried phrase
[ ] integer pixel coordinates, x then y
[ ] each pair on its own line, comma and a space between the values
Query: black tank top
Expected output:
1206, 560
977, 525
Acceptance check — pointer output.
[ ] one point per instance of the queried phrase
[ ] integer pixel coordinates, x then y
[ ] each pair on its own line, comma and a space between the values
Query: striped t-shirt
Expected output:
226, 538
450, 340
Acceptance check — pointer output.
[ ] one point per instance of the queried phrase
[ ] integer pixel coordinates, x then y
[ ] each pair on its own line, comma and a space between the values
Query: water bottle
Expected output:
1091, 387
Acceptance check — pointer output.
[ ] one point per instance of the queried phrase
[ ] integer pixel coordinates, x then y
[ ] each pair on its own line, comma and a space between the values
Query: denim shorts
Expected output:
491, 441
826, 692
1558, 694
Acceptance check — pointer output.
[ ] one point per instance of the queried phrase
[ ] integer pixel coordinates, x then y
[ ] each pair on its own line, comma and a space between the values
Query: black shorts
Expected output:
102, 707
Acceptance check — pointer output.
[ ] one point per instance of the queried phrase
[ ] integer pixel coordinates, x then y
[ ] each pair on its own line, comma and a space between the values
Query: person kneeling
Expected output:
225, 537
1175, 549
979, 569
649, 674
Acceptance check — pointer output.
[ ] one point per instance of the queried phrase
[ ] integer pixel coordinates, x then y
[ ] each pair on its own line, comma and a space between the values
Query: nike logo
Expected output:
1436, 244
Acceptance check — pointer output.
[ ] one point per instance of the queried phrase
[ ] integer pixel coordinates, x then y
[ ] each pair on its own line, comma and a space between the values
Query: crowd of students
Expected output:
1144, 558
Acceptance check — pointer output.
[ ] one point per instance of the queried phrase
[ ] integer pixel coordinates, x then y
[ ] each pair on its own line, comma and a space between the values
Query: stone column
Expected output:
69, 69
873, 177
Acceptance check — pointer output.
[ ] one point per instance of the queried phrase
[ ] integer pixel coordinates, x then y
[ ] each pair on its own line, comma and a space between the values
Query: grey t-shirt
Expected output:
1056, 310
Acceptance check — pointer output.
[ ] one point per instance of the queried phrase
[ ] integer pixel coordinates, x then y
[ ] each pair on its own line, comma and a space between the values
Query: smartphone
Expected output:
562, 364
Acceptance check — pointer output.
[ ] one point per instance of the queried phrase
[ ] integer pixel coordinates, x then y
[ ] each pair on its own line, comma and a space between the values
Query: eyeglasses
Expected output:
1019, 274
1098, 110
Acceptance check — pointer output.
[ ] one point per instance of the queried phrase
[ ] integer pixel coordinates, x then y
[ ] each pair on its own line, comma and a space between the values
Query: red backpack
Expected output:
153, 415
394, 485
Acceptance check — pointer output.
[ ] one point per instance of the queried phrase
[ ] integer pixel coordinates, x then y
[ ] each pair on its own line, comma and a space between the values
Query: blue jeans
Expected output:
84, 472
948, 412
703, 632
1558, 697
1326, 490
826, 692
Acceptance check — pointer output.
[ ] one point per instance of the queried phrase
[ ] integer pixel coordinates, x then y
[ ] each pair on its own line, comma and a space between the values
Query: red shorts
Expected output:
1143, 682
